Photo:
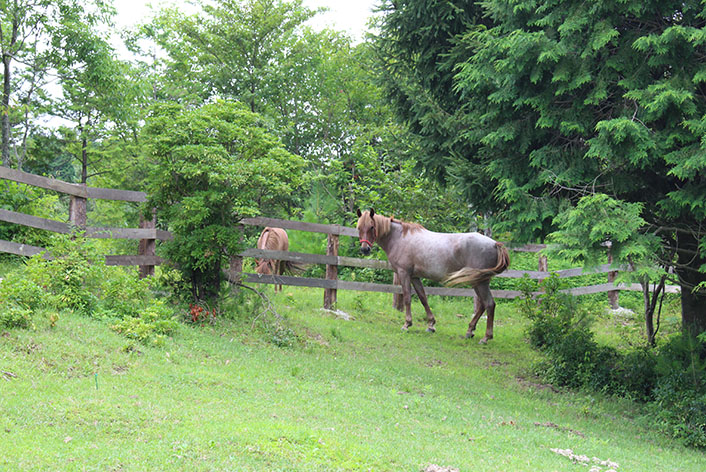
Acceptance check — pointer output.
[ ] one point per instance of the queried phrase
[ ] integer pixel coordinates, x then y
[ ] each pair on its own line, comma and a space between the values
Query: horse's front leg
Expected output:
419, 288
406, 298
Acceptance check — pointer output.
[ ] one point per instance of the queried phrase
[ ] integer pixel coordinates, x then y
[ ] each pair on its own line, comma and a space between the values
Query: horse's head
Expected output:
366, 230
263, 267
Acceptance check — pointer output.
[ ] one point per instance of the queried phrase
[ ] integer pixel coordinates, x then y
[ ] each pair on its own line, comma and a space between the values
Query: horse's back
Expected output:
434, 255
274, 239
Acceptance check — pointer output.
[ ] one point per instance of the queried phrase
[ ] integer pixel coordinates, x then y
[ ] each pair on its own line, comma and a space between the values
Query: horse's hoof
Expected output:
431, 330
406, 327
484, 340
467, 336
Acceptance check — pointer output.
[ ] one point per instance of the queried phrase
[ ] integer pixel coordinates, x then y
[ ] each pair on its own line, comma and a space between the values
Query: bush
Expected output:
15, 317
671, 380
679, 396
77, 279
212, 166
149, 327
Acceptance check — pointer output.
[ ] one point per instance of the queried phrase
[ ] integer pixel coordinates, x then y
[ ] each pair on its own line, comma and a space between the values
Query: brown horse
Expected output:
452, 258
274, 239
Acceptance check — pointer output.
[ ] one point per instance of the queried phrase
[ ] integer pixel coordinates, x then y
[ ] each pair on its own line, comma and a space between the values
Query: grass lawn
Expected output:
351, 395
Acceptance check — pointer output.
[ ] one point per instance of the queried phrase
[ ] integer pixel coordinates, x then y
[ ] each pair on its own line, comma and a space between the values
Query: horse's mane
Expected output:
383, 224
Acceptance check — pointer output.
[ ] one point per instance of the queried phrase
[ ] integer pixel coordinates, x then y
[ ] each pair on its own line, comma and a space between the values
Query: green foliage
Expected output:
15, 317
672, 380
548, 112
21, 288
596, 220
560, 327
30, 200
75, 279
75, 271
151, 325
212, 166
679, 405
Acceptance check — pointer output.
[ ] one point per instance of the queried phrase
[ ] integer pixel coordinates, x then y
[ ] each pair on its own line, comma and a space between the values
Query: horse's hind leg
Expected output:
277, 271
477, 313
419, 288
485, 302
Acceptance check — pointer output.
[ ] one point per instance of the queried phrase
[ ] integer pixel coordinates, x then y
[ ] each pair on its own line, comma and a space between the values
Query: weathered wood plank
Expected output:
385, 265
609, 287
288, 280
518, 274
526, 247
305, 258
121, 233
20, 249
131, 260
300, 226
42, 182
363, 286
300, 257
331, 294
163, 235
34, 222
364, 263
534, 274
116, 194
76, 190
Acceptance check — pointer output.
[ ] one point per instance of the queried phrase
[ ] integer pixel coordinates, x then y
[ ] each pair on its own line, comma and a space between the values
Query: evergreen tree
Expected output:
566, 104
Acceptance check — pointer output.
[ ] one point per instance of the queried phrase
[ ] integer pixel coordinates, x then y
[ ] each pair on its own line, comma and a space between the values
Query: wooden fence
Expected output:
148, 235
332, 261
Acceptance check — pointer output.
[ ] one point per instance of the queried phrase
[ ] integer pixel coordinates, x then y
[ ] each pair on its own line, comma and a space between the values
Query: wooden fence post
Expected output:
77, 211
147, 246
613, 295
235, 269
330, 294
543, 264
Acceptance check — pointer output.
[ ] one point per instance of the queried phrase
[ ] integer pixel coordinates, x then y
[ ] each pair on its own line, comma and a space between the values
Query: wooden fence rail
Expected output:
332, 259
148, 235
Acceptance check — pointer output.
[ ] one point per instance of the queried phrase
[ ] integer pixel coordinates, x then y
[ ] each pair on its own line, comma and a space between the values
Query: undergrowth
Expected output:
670, 379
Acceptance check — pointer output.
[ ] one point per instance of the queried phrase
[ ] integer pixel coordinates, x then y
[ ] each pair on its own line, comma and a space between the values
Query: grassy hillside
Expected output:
321, 394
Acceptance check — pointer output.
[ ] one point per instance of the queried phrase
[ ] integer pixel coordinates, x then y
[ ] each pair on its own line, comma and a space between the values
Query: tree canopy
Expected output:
551, 103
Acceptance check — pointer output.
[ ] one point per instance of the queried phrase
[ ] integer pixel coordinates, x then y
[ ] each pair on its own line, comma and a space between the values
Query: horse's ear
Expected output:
359, 213
372, 213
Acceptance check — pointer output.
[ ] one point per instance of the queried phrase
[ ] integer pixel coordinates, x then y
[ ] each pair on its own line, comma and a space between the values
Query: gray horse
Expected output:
452, 258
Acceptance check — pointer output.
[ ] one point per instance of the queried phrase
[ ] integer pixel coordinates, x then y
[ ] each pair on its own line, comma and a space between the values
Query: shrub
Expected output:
124, 294
212, 166
21, 291
150, 326
671, 380
15, 317
679, 396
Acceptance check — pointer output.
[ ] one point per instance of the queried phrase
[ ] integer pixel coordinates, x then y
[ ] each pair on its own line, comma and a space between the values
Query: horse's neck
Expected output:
387, 241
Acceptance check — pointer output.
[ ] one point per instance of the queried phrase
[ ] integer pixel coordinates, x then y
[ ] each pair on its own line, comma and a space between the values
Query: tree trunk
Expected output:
5, 112
693, 302
84, 160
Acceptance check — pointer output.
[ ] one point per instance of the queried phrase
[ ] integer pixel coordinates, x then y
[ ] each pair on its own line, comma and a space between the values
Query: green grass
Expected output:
348, 395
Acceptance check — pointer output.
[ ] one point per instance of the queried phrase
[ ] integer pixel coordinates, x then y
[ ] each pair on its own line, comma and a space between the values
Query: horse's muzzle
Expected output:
365, 249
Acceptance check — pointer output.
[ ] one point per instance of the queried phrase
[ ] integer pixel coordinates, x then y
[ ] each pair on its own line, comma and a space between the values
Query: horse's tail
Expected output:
476, 276
293, 268
262, 264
